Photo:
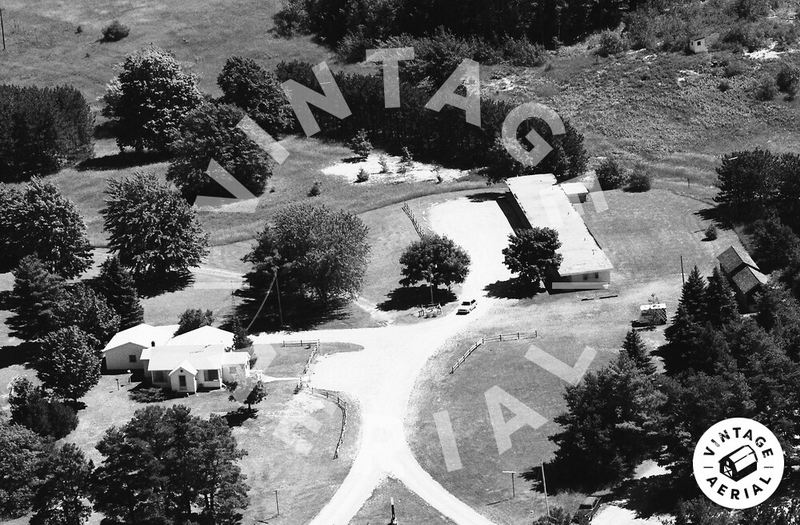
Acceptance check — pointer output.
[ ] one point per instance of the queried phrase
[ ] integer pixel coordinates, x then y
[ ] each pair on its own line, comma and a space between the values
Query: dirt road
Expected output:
380, 378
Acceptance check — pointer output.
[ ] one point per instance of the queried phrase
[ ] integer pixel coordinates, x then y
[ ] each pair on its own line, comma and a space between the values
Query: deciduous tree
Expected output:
82, 307
152, 229
62, 498
69, 363
37, 220
532, 254
194, 318
21, 461
210, 132
434, 259
149, 98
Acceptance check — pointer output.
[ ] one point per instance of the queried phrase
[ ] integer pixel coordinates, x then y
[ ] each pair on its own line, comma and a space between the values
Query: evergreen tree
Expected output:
116, 284
69, 363
693, 296
61, 499
194, 318
721, 307
240, 338
34, 300
636, 349
611, 423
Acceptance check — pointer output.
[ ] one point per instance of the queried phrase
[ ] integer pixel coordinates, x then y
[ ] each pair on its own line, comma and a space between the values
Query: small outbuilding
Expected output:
744, 275
576, 192
698, 44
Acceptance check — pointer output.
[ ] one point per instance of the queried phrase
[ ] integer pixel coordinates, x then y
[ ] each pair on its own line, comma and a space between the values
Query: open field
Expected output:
644, 235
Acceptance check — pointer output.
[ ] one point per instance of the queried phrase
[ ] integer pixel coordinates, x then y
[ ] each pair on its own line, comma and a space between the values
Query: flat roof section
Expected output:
547, 206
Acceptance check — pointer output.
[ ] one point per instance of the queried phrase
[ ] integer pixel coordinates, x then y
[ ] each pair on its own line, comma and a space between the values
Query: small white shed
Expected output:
576, 191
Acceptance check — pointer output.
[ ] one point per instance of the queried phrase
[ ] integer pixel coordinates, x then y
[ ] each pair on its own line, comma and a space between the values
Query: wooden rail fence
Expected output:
342, 404
483, 340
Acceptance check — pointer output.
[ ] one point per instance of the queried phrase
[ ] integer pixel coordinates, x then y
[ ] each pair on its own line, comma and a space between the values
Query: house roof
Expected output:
143, 335
205, 335
185, 366
733, 258
747, 279
208, 357
546, 205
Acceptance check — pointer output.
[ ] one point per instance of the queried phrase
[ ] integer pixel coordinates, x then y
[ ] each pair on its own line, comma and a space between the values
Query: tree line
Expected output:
717, 364
42, 130
165, 466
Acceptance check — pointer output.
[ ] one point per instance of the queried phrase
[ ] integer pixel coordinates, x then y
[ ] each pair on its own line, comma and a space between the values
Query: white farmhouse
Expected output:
124, 351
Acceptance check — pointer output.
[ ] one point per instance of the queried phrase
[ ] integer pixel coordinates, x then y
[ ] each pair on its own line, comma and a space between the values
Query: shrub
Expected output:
751, 9
148, 395
766, 89
611, 43
360, 145
744, 35
788, 79
609, 174
362, 176
384, 164
292, 19
522, 52
315, 190
724, 85
639, 180
406, 161
734, 68
115, 31
711, 232
194, 318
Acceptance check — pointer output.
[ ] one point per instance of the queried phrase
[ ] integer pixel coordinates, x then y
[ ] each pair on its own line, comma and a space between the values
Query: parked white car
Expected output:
467, 306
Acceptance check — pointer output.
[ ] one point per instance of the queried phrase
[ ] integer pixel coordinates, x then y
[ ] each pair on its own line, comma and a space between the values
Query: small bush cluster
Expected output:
766, 89
734, 68
610, 174
711, 232
639, 180
148, 395
611, 43
360, 144
315, 190
115, 31
363, 175
788, 79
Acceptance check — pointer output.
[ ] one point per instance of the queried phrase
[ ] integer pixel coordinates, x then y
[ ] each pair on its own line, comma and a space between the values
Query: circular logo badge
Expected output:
738, 463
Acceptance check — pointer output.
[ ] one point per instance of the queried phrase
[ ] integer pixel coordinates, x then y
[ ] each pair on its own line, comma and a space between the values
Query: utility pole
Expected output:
277, 507
278, 291
394, 517
683, 279
544, 484
2, 29
513, 487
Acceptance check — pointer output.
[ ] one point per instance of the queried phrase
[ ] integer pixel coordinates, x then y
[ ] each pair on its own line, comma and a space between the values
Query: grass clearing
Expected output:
644, 236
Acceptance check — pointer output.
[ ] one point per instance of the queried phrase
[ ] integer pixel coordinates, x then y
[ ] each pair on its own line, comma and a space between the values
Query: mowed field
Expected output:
289, 444
644, 235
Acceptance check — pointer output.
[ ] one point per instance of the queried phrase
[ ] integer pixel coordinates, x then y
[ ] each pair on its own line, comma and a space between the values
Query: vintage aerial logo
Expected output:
738, 463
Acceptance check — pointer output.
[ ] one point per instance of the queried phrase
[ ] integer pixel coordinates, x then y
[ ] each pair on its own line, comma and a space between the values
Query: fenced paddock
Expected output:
342, 404
514, 336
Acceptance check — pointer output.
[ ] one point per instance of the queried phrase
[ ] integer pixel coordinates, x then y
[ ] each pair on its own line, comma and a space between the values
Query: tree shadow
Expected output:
561, 477
513, 288
653, 495
405, 297
21, 354
122, 160
298, 314
236, 418
173, 282
485, 196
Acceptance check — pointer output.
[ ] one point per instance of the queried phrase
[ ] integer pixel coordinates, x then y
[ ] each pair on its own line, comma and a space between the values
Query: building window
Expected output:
585, 277
182, 381
212, 375
132, 358
596, 275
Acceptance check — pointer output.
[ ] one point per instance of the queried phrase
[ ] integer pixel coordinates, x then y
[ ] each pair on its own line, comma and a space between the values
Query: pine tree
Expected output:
240, 338
636, 349
721, 306
34, 299
119, 289
62, 499
693, 296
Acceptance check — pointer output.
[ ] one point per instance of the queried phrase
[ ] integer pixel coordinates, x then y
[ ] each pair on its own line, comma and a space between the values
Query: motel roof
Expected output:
546, 205
143, 335
209, 357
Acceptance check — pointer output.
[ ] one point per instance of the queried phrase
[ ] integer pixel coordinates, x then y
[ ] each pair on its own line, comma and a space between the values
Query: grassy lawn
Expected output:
409, 508
644, 235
